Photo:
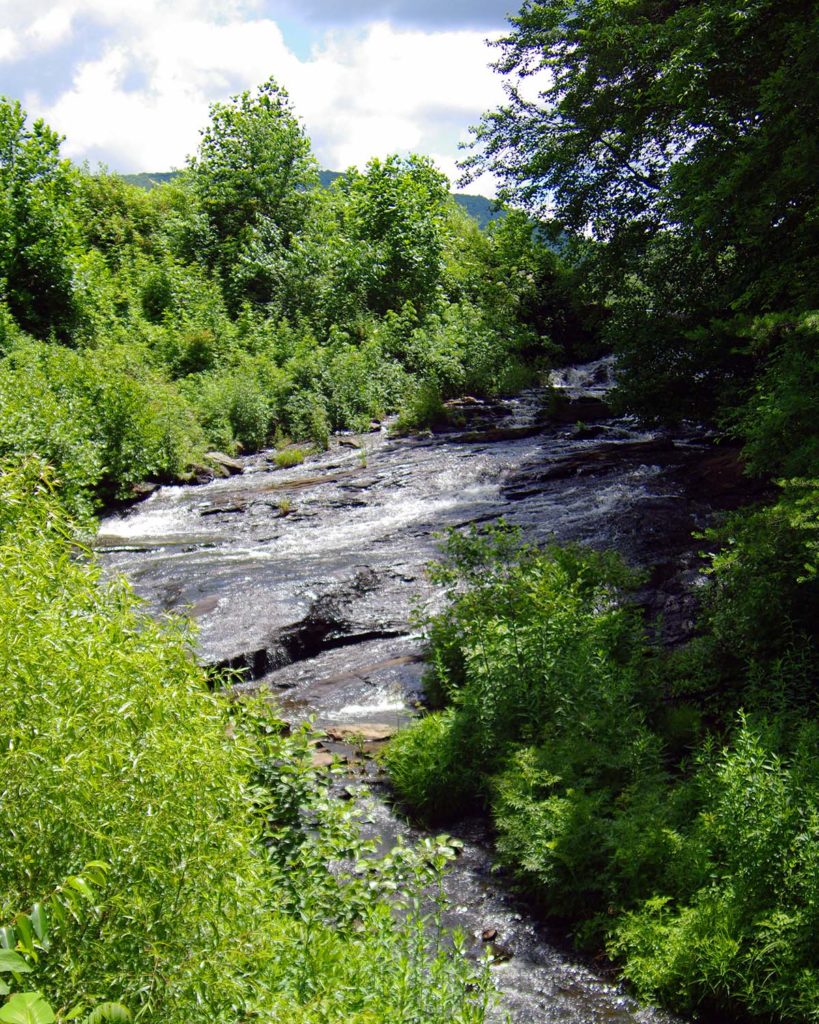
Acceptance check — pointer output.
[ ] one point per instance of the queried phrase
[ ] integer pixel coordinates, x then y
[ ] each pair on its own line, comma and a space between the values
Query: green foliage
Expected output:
238, 302
681, 136
630, 794
691, 115
426, 768
746, 934
43, 412
778, 423
765, 595
37, 230
115, 218
532, 642
422, 410
104, 419
252, 176
175, 846
31, 934
396, 209
289, 457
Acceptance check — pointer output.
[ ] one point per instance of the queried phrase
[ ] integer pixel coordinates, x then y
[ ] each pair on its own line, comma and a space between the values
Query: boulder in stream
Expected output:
225, 462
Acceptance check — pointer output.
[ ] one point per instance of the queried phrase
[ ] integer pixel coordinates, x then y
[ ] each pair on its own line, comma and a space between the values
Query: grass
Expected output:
289, 457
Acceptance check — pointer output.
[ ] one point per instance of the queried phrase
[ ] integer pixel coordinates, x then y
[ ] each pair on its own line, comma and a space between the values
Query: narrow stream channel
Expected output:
306, 578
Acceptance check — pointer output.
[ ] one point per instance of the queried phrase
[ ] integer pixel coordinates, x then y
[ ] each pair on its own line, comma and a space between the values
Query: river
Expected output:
306, 578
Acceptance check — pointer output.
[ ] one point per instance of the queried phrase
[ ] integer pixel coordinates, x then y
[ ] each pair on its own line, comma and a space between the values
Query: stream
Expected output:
306, 578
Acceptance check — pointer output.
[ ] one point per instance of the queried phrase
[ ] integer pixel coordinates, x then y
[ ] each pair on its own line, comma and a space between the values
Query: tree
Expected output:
37, 229
253, 175
397, 209
684, 135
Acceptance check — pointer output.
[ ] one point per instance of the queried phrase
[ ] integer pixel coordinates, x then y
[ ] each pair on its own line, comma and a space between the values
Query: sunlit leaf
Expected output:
27, 1008
11, 961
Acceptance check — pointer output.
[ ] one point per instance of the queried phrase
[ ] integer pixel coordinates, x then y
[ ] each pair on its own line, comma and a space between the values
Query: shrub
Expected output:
208, 837
288, 457
144, 426
305, 416
426, 767
745, 933
628, 795
778, 423
44, 412
422, 410
764, 598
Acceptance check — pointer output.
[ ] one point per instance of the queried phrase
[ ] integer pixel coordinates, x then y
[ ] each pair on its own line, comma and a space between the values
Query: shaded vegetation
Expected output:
666, 804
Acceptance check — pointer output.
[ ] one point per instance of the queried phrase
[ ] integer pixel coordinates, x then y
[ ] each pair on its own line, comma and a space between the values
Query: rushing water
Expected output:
307, 577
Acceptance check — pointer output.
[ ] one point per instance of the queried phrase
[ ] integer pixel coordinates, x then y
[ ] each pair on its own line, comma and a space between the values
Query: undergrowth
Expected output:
665, 805
201, 854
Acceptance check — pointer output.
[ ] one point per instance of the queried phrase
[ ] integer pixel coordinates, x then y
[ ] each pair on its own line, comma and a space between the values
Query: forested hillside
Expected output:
483, 210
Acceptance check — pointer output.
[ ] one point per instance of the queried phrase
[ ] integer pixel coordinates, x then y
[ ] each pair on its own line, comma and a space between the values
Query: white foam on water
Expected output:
366, 525
147, 523
381, 704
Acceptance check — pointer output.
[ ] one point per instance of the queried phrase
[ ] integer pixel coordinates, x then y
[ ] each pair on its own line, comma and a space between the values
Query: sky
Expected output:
129, 82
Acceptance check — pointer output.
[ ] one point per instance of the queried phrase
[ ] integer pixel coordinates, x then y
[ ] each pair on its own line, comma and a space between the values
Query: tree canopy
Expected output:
36, 228
252, 176
683, 136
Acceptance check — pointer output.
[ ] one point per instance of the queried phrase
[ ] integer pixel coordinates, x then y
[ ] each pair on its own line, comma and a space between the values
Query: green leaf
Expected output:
97, 872
4, 989
58, 913
39, 919
82, 887
11, 961
115, 1012
25, 933
8, 937
27, 1008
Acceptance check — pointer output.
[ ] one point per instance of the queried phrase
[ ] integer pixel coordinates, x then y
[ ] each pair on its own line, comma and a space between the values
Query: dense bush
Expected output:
103, 418
742, 932
210, 837
630, 792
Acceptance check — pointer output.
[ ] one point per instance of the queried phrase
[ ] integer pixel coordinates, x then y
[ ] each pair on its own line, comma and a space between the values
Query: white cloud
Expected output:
391, 90
140, 103
51, 28
8, 44
180, 66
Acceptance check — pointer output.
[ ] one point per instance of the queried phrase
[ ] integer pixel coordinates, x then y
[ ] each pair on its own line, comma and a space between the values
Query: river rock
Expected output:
588, 409
323, 759
144, 489
204, 474
233, 466
367, 732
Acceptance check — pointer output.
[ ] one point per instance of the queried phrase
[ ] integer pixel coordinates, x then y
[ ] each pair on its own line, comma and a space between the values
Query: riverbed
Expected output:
308, 581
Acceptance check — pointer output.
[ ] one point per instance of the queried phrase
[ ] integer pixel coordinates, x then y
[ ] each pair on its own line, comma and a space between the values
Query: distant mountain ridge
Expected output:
480, 208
